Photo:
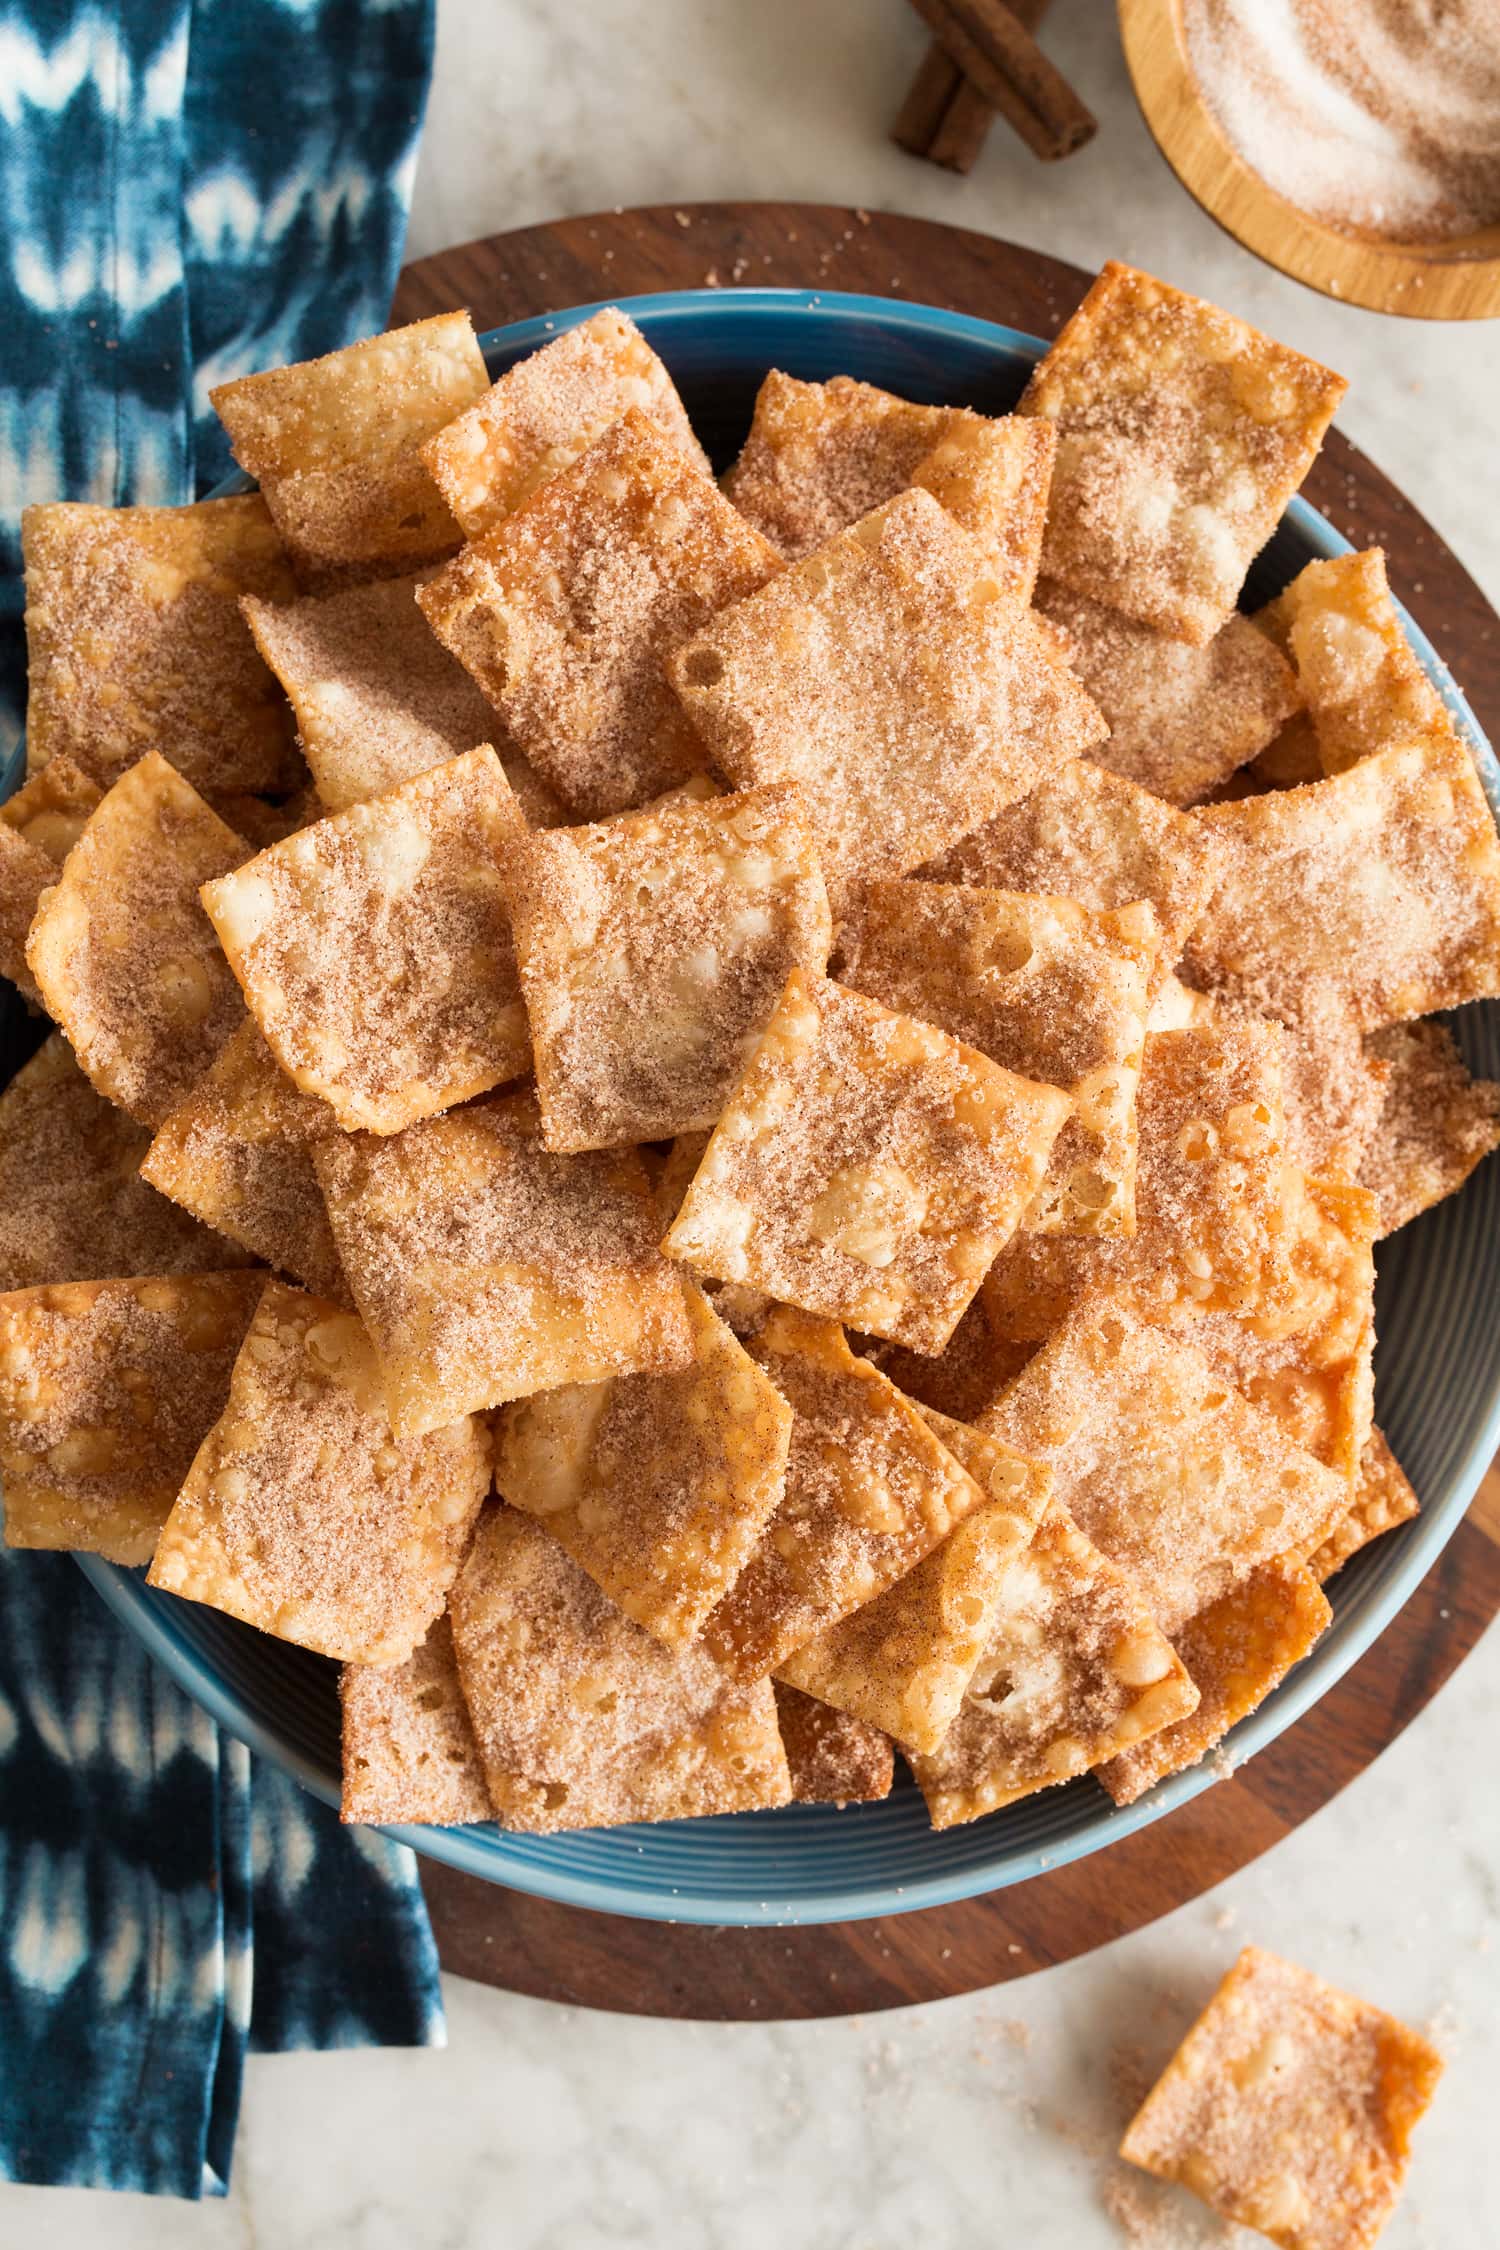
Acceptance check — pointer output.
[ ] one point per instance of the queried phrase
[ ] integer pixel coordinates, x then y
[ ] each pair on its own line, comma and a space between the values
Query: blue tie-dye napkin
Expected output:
189, 189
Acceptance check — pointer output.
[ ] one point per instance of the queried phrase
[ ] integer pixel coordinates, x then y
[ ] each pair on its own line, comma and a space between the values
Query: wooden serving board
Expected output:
606, 1961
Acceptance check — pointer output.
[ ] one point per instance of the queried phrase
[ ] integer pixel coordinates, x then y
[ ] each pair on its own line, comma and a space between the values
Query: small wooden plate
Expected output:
1454, 280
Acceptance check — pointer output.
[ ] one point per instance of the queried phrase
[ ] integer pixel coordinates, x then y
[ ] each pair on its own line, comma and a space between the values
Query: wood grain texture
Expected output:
528, 1945
1456, 280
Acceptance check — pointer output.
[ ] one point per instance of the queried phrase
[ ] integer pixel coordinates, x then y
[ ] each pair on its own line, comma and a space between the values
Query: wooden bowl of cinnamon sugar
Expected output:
1336, 140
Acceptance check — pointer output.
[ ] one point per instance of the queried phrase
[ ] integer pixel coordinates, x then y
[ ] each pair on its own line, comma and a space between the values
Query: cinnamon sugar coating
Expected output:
869, 1491
487, 1268
26, 872
1182, 718
1383, 1498
819, 456
409, 1753
335, 445
107, 1389
1381, 885
374, 948
71, 1205
121, 950
547, 410
1074, 1668
1182, 433
1162, 1464
1087, 834
566, 612
1289, 2107
895, 680
1235, 1651
1044, 987
135, 641
302, 1514
1334, 1085
234, 1152
867, 1167
659, 1486
1364, 687
832, 1757
582, 1719
1436, 1125
653, 950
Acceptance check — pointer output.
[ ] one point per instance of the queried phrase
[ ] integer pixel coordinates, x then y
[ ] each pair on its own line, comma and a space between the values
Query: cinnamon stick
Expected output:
919, 120
963, 128
1004, 65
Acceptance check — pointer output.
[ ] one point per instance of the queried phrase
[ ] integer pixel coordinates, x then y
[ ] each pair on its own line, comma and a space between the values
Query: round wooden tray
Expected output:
606, 1961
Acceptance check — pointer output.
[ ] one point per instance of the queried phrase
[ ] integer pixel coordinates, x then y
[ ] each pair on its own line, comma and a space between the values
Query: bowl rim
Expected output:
480, 1849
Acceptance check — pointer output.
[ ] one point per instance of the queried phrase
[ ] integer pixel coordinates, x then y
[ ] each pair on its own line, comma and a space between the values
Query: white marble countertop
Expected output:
972, 2124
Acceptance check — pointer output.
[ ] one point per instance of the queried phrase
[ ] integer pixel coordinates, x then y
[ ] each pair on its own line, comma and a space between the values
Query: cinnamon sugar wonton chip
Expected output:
234, 1152
1091, 835
1289, 2107
334, 445
122, 951
135, 641
653, 950
374, 948
25, 872
1383, 1498
1381, 885
1182, 719
1170, 1472
547, 410
50, 809
1044, 987
867, 1167
832, 1757
582, 1719
894, 680
566, 612
487, 1268
821, 455
1073, 1669
1436, 1125
409, 1752
870, 1489
302, 1514
658, 1486
1334, 1087
1235, 1651
1181, 435
904, 1660
107, 1389
1364, 687
71, 1205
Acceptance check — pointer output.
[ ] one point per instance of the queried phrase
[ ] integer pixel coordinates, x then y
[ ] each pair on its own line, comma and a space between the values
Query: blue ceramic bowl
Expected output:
1439, 1360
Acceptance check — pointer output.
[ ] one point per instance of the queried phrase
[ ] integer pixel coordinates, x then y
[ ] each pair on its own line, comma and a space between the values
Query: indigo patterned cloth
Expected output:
189, 189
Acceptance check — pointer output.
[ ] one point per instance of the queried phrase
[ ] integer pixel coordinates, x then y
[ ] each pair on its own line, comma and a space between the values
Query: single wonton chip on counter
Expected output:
582, 1719
821, 455
1170, 1472
487, 1268
1364, 686
904, 1660
832, 1757
1181, 719
302, 1514
374, 948
1091, 835
107, 1389
409, 1753
1289, 2107
335, 446
867, 1167
894, 680
547, 410
1074, 1669
567, 611
234, 1152
1381, 885
653, 950
136, 641
659, 1486
870, 1489
1383, 1498
1436, 1125
122, 951
1044, 987
1181, 435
